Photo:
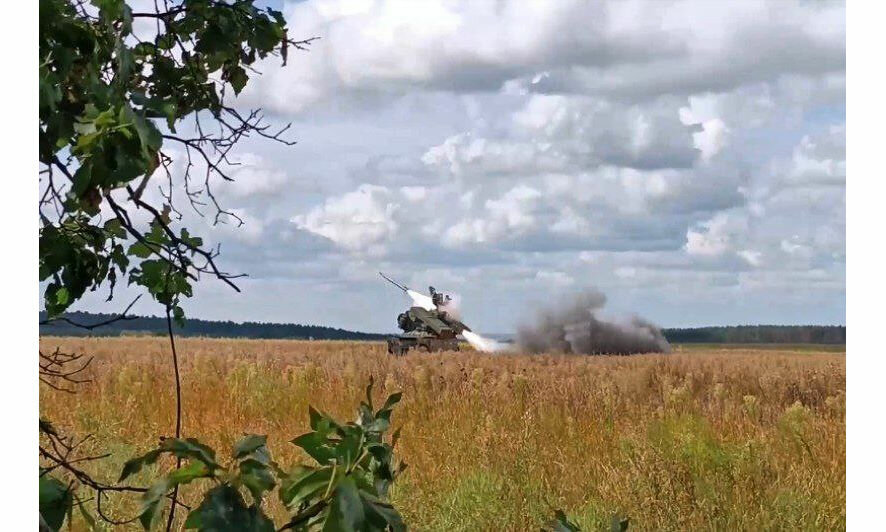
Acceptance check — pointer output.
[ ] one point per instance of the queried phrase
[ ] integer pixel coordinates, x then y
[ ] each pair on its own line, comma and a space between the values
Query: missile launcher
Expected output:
426, 326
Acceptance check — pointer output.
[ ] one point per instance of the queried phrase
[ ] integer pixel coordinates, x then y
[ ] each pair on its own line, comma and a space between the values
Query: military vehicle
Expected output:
426, 326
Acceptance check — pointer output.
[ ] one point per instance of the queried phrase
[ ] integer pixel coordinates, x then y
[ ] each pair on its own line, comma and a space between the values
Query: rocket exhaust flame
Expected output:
486, 345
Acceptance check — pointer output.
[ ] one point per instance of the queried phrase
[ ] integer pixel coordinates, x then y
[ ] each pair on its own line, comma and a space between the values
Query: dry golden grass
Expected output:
700, 439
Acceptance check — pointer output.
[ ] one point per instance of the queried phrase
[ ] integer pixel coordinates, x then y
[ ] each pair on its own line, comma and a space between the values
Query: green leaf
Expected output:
381, 515
392, 400
380, 452
364, 414
106, 118
125, 61
278, 16
55, 501
140, 250
62, 297
84, 128
165, 41
320, 422
115, 228
135, 465
90, 520
150, 503
561, 523
178, 314
248, 444
346, 511
348, 449
190, 448
170, 110
619, 523
150, 138
50, 93
237, 77
316, 446
194, 519
82, 179
46, 427
188, 473
257, 478
304, 485
223, 510
379, 425
118, 256
369, 391
153, 498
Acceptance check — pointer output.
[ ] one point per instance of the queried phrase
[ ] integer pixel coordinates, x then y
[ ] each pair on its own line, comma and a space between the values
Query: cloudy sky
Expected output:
685, 157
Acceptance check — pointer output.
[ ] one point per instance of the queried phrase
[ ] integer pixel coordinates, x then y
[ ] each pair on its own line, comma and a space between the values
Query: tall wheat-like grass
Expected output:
737, 439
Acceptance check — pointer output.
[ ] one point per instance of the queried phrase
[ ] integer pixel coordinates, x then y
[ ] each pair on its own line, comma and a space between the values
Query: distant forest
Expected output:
742, 334
760, 334
195, 327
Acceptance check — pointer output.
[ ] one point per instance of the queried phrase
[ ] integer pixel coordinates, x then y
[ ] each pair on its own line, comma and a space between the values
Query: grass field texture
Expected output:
704, 438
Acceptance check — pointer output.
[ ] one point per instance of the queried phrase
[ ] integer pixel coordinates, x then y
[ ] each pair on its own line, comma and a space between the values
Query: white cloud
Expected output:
506, 216
677, 154
793, 246
794, 215
820, 160
414, 194
250, 231
362, 220
713, 237
554, 278
624, 49
254, 176
711, 139
754, 258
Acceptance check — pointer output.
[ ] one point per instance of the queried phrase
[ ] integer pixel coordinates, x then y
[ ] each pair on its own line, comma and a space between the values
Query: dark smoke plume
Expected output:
576, 327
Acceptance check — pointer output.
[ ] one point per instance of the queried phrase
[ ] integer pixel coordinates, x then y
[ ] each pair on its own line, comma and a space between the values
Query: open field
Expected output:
705, 438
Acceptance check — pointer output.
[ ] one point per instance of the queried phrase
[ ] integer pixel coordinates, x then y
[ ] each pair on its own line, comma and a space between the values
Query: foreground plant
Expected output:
346, 489
561, 523
133, 124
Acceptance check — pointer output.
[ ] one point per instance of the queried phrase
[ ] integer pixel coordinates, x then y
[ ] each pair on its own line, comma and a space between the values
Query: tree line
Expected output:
193, 327
740, 334
759, 334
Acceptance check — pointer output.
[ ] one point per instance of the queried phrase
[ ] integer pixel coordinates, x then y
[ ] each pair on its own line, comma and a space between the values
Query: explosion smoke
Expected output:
577, 327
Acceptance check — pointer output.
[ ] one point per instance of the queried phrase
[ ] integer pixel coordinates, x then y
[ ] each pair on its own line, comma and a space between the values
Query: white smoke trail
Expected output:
486, 345
421, 300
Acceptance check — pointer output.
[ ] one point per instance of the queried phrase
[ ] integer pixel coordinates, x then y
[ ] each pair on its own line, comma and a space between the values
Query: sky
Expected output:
687, 158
